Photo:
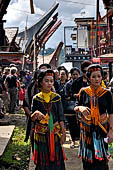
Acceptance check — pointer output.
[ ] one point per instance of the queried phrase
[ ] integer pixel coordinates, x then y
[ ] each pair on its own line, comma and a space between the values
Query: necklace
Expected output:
47, 106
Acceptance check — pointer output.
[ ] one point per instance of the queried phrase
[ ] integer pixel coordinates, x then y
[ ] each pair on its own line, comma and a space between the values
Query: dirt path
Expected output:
73, 162
13, 119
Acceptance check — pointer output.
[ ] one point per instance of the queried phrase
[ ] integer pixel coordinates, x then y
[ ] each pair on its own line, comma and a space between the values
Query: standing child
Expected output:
21, 95
49, 129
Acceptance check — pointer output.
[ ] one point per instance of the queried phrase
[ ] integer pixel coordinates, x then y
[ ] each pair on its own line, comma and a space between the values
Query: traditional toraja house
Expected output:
3, 6
87, 26
106, 42
35, 29
38, 34
3, 39
10, 51
106, 35
88, 32
108, 4
11, 57
93, 30
52, 59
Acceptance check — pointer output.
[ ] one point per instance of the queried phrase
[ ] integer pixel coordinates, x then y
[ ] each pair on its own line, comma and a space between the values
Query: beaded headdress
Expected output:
94, 69
49, 74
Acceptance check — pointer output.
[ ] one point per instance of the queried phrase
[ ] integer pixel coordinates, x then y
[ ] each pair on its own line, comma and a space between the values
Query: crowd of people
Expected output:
13, 84
54, 101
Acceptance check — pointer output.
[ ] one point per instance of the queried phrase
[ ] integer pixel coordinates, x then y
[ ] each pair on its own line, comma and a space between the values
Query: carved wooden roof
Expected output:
35, 29
3, 6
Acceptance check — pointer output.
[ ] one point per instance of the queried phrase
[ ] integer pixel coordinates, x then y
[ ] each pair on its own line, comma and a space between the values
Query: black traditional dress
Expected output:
48, 154
93, 128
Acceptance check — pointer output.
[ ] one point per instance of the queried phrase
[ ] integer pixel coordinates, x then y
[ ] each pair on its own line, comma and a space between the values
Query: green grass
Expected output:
110, 149
17, 152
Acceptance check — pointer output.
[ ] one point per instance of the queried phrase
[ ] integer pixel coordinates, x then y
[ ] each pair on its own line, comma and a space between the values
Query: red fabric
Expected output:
17, 84
52, 146
35, 157
21, 94
64, 155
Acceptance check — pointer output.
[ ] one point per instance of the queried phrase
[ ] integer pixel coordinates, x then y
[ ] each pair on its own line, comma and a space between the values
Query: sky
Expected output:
18, 14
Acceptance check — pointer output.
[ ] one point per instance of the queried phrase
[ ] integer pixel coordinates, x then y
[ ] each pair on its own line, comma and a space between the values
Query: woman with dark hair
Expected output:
44, 66
49, 130
70, 114
96, 121
82, 80
63, 78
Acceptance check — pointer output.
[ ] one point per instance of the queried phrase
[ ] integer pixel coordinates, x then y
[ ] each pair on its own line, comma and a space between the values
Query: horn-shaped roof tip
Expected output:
41, 21
38, 26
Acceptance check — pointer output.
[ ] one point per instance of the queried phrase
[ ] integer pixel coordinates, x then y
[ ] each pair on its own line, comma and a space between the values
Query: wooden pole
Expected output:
25, 38
97, 13
34, 60
32, 7
65, 41
92, 37
110, 71
43, 52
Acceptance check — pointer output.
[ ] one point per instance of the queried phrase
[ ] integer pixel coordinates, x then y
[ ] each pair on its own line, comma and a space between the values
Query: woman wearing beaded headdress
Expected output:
49, 129
96, 121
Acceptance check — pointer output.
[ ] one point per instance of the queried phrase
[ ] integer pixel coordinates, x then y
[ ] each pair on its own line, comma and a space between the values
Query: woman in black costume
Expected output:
96, 121
49, 130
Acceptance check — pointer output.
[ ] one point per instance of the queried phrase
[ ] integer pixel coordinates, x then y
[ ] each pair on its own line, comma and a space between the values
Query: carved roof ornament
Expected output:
35, 29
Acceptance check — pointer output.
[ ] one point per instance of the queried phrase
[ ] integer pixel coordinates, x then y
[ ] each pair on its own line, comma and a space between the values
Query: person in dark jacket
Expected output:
11, 86
71, 117
63, 78
81, 81
77, 84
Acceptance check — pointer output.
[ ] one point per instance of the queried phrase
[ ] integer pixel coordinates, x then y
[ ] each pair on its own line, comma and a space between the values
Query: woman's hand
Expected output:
63, 138
83, 109
37, 115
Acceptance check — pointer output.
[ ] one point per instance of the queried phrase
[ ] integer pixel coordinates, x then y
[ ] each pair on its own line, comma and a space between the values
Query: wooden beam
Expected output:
32, 7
